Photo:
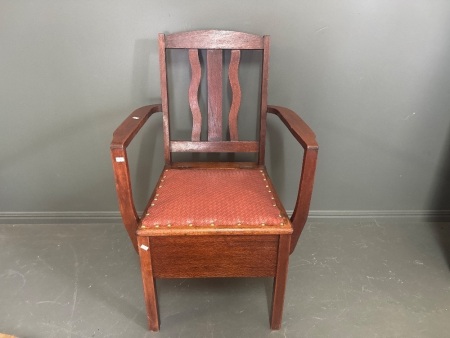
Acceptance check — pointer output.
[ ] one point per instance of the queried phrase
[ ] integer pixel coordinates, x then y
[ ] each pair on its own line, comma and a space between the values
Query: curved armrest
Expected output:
299, 129
125, 133
122, 137
306, 137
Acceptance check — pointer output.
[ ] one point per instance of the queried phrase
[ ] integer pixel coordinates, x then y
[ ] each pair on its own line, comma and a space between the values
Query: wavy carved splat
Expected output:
233, 75
214, 74
215, 96
193, 94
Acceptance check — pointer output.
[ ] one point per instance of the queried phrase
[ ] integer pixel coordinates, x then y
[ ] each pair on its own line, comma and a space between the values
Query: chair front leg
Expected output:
279, 283
148, 281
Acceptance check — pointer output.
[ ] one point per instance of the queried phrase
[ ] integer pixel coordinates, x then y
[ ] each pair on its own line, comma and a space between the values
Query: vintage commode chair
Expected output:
214, 219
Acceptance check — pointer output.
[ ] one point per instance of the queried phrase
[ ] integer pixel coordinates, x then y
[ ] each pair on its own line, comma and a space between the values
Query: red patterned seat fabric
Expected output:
213, 197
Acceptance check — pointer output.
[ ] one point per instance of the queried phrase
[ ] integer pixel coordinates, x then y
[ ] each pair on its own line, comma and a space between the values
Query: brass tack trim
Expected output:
153, 204
190, 224
212, 224
169, 225
156, 226
143, 226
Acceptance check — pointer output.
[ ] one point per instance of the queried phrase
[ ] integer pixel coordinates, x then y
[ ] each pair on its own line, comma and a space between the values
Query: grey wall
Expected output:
371, 77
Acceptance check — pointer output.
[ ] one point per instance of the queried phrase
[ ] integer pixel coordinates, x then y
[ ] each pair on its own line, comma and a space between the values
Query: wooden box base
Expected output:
214, 256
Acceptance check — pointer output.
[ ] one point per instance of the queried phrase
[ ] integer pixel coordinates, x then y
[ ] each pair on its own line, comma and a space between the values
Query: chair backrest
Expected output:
215, 43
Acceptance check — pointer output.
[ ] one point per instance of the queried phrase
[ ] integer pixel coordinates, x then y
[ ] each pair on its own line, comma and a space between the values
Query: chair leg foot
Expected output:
153, 325
151, 303
277, 303
279, 283
148, 281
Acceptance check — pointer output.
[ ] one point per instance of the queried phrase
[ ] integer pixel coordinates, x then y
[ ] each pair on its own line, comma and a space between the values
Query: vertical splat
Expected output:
214, 74
214, 44
233, 75
193, 94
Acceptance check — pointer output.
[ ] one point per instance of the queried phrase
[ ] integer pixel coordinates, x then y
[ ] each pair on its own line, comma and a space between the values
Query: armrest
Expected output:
306, 137
125, 133
122, 137
298, 128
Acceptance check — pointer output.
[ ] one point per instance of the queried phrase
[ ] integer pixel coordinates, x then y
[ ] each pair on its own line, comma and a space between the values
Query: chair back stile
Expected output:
216, 43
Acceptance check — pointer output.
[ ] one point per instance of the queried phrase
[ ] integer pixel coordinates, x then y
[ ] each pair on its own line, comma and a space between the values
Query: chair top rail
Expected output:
214, 39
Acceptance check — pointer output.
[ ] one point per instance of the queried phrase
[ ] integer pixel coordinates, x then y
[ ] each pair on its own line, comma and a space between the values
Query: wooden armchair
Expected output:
214, 219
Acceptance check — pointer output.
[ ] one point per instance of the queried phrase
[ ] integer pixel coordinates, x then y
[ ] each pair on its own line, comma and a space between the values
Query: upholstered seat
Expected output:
239, 200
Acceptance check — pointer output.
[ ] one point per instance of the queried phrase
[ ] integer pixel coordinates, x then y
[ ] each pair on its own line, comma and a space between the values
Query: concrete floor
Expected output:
352, 278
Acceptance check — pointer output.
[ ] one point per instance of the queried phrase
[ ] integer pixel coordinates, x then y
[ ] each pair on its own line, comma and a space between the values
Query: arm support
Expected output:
122, 137
306, 137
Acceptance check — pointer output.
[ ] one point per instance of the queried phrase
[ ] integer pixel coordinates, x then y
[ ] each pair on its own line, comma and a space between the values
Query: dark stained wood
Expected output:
124, 193
218, 251
214, 39
263, 110
148, 281
214, 256
214, 42
301, 209
215, 165
164, 96
218, 230
214, 147
193, 94
233, 75
214, 73
306, 137
122, 137
279, 283
128, 129
298, 128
